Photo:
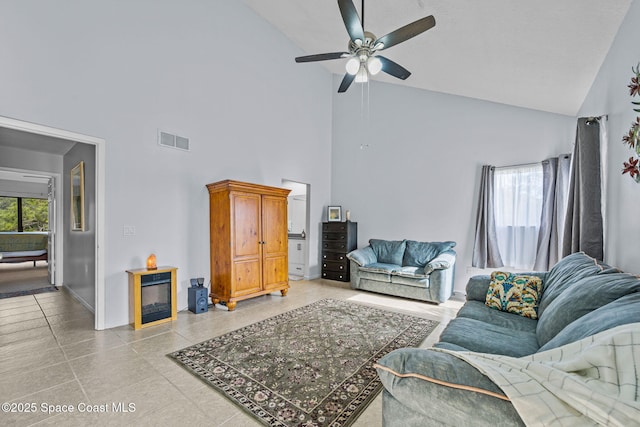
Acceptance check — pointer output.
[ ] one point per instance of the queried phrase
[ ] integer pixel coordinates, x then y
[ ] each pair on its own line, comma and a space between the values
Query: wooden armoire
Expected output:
248, 241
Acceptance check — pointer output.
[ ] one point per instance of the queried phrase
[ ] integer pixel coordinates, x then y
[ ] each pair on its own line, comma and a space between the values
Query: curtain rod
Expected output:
565, 156
592, 118
517, 166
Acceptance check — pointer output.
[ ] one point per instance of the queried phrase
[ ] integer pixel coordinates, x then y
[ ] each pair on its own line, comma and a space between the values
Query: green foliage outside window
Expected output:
8, 214
35, 214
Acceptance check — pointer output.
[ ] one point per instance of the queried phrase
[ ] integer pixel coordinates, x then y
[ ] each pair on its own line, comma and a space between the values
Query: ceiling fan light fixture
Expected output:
352, 66
374, 65
363, 75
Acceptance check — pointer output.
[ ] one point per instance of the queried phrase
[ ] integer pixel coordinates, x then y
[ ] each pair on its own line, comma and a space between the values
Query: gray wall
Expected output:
416, 175
79, 248
15, 158
610, 95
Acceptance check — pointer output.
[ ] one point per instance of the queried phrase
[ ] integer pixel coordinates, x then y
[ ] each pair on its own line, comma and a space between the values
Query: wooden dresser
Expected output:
338, 239
248, 241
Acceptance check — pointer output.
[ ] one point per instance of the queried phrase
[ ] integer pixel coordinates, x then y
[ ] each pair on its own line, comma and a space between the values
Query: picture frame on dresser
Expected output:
334, 214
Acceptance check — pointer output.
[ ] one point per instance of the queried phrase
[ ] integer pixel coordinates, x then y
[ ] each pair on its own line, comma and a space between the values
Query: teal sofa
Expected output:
406, 268
580, 297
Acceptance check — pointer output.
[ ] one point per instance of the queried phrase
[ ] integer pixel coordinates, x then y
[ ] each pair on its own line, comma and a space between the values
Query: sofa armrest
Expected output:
477, 287
363, 256
443, 388
444, 260
441, 270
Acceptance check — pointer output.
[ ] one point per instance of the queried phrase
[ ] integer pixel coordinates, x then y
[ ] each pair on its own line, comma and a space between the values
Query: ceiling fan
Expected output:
363, 47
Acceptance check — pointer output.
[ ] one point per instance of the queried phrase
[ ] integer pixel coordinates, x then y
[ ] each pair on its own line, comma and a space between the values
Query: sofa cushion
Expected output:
619, 312
566, 272
388, 251
414, 272
582, 297
418, 254
416, 377
478, 310
514, 293
380, 267
483, 337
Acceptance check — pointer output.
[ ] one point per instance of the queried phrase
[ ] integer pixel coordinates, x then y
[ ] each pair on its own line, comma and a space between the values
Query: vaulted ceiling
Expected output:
541, 54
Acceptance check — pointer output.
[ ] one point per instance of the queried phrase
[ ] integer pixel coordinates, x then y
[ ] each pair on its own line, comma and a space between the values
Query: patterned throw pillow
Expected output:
514, 294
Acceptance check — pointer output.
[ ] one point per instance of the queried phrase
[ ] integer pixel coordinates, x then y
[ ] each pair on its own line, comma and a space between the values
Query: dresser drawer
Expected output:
334, 246
334, 256
334, 227
335, 266
334, 236
335, 275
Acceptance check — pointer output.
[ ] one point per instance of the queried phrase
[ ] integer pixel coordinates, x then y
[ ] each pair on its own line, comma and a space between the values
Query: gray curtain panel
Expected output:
555, 184
583, 229
485, 248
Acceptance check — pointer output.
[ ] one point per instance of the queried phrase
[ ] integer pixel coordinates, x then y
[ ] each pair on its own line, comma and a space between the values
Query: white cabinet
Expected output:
296, 257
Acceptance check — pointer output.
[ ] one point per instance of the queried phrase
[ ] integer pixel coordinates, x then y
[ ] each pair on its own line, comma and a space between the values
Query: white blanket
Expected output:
594, 381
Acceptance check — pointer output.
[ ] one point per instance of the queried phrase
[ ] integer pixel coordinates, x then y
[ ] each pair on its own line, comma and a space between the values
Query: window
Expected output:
518, 208
24, 214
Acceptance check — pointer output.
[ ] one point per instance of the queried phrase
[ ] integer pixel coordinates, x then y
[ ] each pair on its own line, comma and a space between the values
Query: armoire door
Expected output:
246, 243
275, 247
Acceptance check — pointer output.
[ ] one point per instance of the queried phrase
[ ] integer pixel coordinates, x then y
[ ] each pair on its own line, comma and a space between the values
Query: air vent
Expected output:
174, 141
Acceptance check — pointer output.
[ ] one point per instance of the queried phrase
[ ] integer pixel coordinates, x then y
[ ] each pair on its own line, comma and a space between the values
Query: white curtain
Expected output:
518, 206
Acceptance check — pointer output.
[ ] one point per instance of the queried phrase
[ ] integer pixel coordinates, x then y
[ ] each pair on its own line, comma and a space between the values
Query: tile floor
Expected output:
50, 357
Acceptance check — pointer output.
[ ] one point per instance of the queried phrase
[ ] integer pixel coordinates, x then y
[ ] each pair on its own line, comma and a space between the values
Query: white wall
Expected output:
418, 177
610, 95
211, 71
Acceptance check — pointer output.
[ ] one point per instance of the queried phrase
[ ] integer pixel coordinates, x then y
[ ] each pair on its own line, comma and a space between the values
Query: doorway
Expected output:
27, 227
298, 228
43, 139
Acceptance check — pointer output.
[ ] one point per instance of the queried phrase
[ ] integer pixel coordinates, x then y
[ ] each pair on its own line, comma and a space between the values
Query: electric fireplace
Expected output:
152, 296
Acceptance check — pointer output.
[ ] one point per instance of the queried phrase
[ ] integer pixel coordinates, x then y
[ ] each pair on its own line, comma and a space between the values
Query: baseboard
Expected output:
77, 297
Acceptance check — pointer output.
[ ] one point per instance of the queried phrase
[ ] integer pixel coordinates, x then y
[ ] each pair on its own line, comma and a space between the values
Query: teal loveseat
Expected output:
406, 268
582, 301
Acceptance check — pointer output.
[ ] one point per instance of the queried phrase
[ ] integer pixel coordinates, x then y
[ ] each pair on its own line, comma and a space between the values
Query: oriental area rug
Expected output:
312, 366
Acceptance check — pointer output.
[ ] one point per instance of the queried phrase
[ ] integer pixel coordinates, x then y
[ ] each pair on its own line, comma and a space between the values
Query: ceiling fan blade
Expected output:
351, 19
393, 69
346, 82
322, 56
406, 32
